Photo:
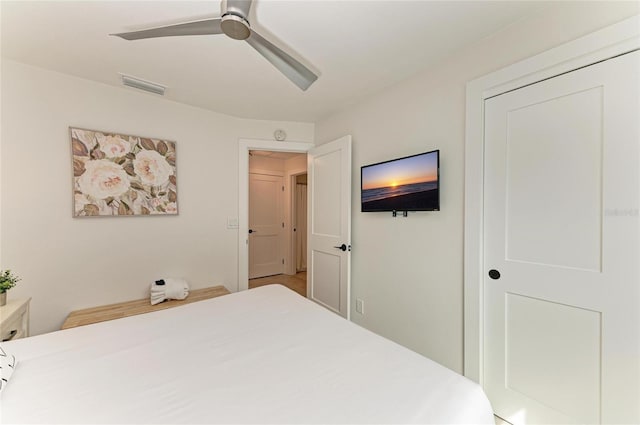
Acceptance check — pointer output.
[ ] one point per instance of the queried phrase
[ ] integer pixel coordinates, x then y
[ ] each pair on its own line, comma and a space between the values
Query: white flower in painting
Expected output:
152, 168
102, 179
87, 137
113, 146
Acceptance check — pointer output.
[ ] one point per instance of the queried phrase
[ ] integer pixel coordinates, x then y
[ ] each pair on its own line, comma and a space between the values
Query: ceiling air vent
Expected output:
139, 84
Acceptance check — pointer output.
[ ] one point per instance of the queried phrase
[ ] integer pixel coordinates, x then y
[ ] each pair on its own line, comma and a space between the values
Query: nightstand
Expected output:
14, 319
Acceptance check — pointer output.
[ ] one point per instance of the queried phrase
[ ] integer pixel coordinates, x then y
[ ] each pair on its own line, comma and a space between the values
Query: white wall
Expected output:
70, 263
408, 271
259, 163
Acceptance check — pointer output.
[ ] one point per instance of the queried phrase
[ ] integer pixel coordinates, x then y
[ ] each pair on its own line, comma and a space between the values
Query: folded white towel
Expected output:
169, 289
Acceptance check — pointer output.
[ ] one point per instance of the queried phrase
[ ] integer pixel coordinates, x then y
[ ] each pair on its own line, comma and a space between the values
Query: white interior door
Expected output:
329, 225
266, 225
562, 188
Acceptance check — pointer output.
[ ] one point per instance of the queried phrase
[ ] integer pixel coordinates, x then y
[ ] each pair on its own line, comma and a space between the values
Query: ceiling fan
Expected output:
234, 23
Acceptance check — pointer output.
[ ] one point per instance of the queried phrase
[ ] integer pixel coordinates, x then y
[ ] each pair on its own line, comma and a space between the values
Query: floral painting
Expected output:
116, 174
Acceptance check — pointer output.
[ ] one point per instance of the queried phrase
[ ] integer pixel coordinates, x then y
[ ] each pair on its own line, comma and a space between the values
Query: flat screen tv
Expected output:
404, 184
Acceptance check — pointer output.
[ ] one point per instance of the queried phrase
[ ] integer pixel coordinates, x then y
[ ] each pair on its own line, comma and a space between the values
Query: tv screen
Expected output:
404, 184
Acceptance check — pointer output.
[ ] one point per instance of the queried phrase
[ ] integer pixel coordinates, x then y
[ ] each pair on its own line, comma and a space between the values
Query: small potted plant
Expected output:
7, 281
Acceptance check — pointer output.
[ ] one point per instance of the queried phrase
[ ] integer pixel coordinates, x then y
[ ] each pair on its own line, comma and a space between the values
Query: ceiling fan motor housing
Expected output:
233, 21
235, 26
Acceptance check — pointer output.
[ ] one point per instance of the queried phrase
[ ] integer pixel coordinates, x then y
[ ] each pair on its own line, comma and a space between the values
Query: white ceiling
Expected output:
357, 47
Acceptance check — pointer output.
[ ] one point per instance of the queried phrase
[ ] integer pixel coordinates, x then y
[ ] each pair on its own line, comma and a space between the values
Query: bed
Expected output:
265, 355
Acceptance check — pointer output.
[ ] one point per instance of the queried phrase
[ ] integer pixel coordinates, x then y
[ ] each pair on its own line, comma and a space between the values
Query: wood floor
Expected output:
297, 282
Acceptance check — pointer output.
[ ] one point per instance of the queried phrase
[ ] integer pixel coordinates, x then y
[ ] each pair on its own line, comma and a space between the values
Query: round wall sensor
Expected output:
280, 135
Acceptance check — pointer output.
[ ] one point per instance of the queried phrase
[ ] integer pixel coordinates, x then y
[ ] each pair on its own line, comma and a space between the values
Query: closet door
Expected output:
562, 297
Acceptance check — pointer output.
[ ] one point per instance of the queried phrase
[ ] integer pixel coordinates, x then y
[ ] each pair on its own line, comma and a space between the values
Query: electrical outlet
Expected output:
359, 306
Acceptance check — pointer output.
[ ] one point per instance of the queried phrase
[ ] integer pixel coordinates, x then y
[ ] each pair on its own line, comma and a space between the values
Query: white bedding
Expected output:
261, 356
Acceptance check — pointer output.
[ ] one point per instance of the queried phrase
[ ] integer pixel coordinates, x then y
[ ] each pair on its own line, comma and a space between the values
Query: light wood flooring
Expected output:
297, 282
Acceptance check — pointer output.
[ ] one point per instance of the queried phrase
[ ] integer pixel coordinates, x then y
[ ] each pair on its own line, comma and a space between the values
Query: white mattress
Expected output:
261, 356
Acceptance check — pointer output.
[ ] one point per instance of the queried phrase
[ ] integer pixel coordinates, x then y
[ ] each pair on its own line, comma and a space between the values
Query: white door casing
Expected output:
266, 225
562, 191
329, 225
300, 225
608, 42
244, 146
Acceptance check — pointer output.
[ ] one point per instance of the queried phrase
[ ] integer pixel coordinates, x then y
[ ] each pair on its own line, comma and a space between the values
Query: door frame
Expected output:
603, 44
291, 266
244, 146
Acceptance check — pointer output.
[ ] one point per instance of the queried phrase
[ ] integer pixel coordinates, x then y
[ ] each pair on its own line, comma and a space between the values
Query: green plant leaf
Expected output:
7, 280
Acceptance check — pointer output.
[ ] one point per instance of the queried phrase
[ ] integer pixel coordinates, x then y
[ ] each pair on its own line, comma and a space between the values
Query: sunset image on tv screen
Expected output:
406, 184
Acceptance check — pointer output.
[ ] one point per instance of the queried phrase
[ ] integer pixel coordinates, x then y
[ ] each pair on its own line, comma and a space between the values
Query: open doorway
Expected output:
277, 219
300, 222
329, 227
244, 147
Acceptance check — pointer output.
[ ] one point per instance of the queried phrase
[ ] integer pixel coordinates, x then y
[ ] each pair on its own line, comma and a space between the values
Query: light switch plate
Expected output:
232, 223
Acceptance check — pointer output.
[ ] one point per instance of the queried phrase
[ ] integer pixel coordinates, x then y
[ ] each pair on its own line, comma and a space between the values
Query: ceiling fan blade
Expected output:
202, 27
291, 68
239, 7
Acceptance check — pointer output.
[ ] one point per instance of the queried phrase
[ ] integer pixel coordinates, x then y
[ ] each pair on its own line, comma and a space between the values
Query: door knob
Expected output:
342, 247
494, 274
252, 231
